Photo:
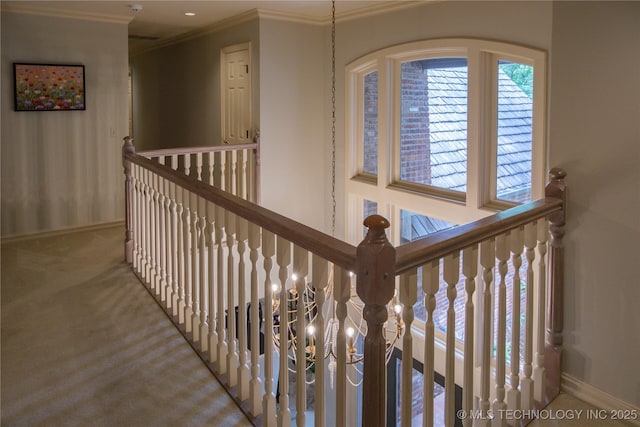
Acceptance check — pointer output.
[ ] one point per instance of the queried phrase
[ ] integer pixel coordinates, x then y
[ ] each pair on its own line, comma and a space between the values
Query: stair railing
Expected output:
206, 254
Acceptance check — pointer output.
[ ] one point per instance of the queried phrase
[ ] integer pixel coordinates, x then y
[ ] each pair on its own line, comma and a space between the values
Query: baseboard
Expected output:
599, 398
60, 231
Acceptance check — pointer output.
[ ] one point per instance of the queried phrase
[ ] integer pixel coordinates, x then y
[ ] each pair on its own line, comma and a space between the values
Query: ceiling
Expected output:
152, 23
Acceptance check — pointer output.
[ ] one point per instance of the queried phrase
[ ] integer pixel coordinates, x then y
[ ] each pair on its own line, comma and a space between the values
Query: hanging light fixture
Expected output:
355, 328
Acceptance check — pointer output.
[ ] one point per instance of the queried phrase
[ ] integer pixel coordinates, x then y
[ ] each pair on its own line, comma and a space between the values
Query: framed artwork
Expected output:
48, 87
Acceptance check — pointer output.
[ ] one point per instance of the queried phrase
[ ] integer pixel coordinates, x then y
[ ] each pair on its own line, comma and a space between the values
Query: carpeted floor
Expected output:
84, 344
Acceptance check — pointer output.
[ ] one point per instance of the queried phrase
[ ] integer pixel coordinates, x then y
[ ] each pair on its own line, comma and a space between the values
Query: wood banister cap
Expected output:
376, 222
128, 146
557, 174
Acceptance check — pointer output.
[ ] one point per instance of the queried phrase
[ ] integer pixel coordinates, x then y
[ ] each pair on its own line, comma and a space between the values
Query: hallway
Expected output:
83, 344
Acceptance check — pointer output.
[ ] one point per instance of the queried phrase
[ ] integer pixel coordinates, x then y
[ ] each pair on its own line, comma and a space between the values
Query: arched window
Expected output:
449, 130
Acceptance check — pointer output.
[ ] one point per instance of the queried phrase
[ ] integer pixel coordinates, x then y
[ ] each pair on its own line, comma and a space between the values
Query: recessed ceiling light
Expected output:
190, 13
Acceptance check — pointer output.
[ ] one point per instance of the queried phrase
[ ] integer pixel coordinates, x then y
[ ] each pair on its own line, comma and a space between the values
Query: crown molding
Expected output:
383, 7
48, 11
218, 26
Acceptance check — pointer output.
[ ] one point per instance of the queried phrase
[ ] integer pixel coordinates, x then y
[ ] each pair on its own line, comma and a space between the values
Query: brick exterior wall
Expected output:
414, 125
370, 125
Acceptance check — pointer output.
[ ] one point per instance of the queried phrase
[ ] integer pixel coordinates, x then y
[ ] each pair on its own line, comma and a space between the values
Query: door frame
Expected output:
223, 72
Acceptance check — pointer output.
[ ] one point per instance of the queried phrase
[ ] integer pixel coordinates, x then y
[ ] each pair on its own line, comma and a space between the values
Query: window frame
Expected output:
480, 198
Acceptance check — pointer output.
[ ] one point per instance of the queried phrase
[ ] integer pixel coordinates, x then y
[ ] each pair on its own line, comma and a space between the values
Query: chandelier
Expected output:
355, 325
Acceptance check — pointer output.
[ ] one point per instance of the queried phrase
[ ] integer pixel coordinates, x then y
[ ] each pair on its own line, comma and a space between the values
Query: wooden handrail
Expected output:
437, 245
195, 150
328, 247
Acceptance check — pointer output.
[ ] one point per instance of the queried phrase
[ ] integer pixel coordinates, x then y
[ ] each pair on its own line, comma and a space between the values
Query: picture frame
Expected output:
49, 87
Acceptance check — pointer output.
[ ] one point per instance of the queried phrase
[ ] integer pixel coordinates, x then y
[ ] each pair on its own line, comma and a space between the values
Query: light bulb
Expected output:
294, 277
397, 308
311, 329
275, 288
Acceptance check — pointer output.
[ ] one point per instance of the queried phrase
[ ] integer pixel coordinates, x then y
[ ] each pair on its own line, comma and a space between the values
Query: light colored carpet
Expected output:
84, 344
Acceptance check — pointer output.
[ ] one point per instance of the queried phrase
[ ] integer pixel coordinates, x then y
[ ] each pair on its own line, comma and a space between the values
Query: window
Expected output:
433, 122
514, 134
370, 123
453, 128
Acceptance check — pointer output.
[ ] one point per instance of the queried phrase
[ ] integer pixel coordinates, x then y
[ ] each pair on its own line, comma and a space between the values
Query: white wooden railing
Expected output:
234, 169
205, 253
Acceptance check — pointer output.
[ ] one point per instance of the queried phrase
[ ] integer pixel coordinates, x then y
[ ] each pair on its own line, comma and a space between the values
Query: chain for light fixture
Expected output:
357, 326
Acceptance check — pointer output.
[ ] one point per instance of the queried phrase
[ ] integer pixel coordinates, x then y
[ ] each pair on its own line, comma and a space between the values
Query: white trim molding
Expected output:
72, 14
598, 398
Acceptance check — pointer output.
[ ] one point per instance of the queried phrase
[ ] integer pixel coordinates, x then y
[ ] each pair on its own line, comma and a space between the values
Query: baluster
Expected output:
470, 271
172, 263
451, 273
300, 271
162, 240
212, 283
320, 277
147, 226
527, 381
283, 258
232, 354
188, 259
269, 400
195, 268
242, 233
157, 235
233, 187
223, 171
146, 193
175, 245
499, 405
408, 296
375, 287
151, 212
168, 246
137, 208
245, 175
539, 370
199, 166
187, 164
430, 286
162, 209
342, 294
255, 385
182, 238
211, 157
516, 240
487, 260
204, 341
223, 337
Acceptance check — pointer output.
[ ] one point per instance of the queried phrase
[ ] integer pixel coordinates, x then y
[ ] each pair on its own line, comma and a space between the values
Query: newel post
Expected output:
555, 283
128, 148
375, 285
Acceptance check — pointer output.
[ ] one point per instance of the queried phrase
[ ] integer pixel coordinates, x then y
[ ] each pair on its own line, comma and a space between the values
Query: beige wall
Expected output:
594, 134
294, 123
64, 169
176, 89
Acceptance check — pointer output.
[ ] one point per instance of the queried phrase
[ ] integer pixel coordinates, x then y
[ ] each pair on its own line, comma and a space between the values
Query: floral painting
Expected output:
41, 87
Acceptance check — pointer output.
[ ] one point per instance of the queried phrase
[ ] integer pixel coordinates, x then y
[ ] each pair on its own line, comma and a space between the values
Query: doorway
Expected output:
235, 92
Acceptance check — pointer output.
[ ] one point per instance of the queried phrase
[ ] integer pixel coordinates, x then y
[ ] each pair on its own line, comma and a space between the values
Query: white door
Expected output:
236, 94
